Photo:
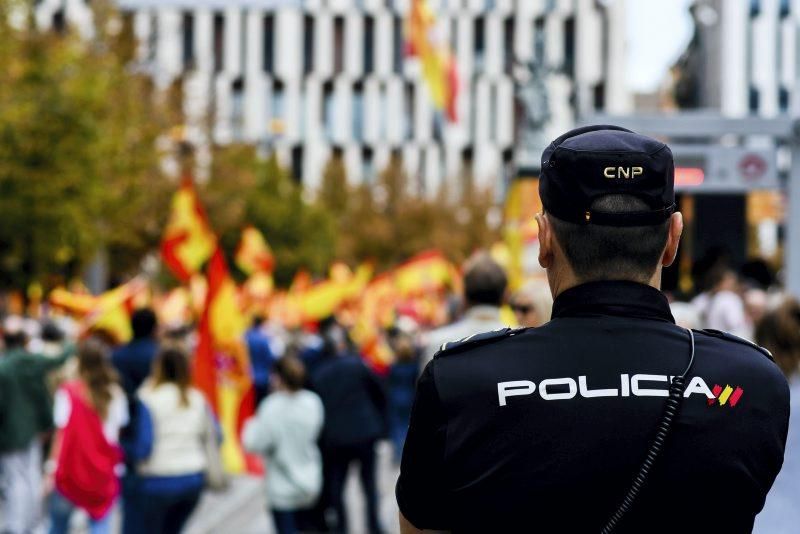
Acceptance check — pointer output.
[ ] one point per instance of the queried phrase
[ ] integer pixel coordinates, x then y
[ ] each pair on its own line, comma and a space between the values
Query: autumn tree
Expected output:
79, 168
244, 189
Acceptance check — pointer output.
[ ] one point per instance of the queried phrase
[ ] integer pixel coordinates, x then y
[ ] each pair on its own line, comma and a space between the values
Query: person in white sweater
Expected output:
173, 476
285, 431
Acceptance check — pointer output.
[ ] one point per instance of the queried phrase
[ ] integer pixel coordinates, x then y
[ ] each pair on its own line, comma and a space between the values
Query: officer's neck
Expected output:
564, 278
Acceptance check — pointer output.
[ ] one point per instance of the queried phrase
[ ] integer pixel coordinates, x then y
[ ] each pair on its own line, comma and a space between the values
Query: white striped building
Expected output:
313, 77
745, 57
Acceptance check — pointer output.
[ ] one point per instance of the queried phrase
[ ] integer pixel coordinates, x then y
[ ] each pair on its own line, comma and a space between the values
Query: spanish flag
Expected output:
254, 254
438, 63
188, 241
221, 367
109, 311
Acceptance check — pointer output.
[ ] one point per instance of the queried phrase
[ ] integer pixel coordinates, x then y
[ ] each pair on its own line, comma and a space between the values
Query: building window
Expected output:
152, 38
755, 8
369, 44
219, 42
237, 102
479, 39
538, 39
188, 40
308, 44
753, 99
599, 96
783, 99
358, 111
59, 21
328, 109
508, 48
338, 45
382, 113
368, 163
278, 100
269, 43
397, 48
569, 47
297, 163
409, 106
785, 8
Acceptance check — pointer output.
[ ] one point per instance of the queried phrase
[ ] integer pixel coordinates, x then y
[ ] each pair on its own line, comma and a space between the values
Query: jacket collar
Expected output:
613, 297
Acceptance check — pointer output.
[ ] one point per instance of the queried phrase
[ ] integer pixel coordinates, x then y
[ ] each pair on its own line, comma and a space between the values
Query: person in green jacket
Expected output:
25, 414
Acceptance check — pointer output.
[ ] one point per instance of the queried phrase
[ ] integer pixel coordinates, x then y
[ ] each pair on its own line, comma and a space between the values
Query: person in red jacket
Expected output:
85, 458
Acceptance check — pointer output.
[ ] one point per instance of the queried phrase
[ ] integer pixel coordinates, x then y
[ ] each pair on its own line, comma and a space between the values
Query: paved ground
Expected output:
243, 508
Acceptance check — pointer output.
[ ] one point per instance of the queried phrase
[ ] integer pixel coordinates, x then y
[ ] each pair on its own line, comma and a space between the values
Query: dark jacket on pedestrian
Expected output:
133, 363
25, 402
354, 401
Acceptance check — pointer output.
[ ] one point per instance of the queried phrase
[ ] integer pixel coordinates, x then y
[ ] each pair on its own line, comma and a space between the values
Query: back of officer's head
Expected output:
597, 252
608, 195
484, 281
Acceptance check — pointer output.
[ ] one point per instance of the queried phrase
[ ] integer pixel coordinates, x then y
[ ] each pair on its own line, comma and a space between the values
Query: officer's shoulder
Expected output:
477, 340
725, 337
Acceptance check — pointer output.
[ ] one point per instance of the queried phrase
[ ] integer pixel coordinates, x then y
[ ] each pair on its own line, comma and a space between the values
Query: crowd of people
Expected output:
87, 426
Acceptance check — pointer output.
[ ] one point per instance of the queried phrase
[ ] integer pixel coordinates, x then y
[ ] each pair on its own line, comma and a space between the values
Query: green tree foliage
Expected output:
78, 163
244, 190
386, 223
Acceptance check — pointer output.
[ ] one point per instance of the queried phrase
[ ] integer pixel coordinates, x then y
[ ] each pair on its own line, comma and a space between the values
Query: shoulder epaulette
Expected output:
476, 340
736, 339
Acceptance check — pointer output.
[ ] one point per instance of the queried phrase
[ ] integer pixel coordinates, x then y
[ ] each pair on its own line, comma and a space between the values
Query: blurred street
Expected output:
242, 509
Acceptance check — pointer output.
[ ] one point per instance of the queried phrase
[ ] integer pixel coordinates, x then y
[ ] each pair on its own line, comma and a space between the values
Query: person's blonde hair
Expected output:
96, 371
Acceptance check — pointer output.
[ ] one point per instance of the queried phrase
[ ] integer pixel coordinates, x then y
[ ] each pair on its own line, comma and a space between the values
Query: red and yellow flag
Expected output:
221, 367
438, 63
109, 311
188, 241
254, 254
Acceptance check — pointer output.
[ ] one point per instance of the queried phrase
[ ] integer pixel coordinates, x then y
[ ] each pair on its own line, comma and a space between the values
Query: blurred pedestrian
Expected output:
261, 357
532, 303
402, 381
85, 458
779, 331
484, 290
133, 362
172, 477
25, 413
355, 419
722, 307
285, 430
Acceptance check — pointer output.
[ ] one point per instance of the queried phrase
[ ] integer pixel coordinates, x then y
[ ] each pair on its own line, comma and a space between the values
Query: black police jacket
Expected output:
543, 430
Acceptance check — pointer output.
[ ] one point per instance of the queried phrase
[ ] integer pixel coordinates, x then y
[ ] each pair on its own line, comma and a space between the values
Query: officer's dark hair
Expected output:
143, 323
598, 252
484, 281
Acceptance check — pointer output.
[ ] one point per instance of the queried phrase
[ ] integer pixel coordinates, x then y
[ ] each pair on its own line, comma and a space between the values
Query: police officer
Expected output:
609, 417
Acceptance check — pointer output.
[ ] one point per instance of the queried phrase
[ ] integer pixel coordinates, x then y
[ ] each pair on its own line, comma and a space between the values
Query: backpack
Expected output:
87, 461
136, 439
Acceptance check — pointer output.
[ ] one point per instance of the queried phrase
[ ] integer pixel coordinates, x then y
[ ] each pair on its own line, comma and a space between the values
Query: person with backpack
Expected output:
85, 458
172, 478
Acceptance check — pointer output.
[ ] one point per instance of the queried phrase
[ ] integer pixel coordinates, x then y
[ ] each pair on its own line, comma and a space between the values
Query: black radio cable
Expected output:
671, 408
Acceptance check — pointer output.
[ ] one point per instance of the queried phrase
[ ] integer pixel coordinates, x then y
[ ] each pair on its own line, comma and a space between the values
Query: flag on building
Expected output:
439, 66
188, 241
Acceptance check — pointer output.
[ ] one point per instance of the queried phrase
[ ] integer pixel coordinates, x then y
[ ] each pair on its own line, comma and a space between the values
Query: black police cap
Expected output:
594, 161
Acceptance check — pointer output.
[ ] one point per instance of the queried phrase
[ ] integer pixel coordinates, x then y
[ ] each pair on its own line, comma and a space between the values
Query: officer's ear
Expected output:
545, 240
673, 239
